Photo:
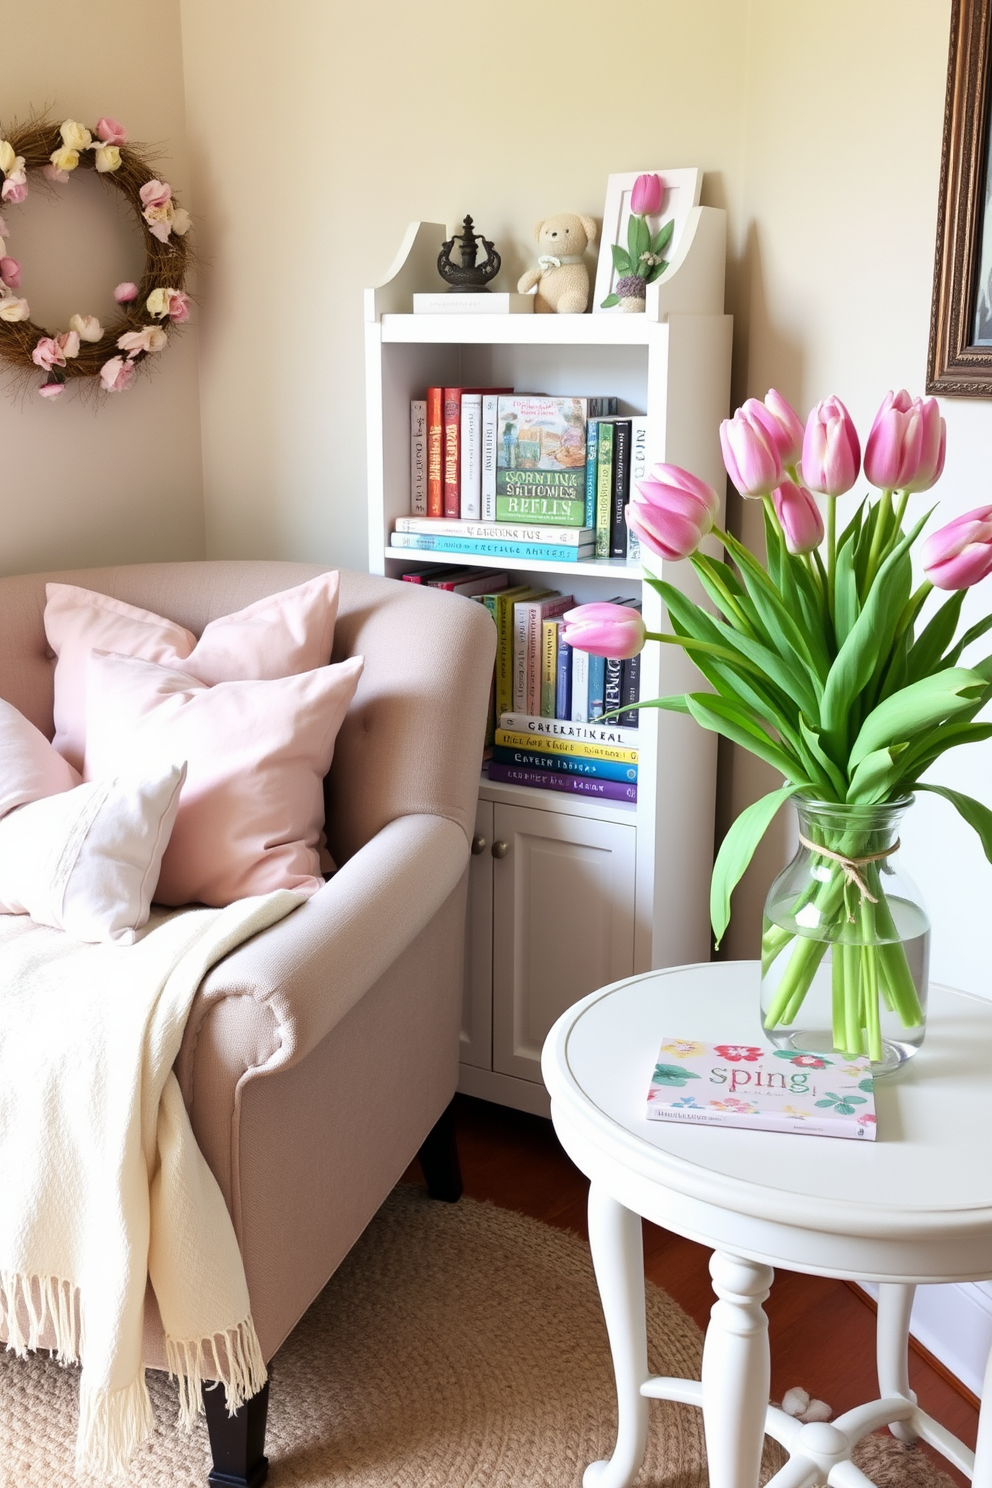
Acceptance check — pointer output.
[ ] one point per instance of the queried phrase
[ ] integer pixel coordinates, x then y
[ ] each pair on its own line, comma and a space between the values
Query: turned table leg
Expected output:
618, 1259
895, 1307
736, 1371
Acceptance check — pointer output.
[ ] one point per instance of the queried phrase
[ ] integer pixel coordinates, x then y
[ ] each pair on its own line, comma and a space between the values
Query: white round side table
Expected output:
913, 1206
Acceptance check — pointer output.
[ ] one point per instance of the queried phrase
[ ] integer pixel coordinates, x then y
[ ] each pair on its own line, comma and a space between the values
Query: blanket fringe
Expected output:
113, 1424
46, 1301
233, 1358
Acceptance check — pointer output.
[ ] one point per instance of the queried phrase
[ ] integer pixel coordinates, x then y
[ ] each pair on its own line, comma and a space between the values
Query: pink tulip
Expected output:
905, 449
799, 515
126, 292
10, 273
116, 375
785, 427
960, 554
831, 449
645, 199
604, 629
111, 132
672, 511
750, 450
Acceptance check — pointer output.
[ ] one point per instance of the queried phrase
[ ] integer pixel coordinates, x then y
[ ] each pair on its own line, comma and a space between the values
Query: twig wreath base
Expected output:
88, 349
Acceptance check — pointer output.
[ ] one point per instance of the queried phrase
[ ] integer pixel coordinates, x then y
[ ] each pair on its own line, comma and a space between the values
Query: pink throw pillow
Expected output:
278, 636
257, 752
30, 767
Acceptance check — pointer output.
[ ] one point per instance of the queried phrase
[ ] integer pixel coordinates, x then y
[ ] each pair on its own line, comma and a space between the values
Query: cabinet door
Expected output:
477, 998
563, 896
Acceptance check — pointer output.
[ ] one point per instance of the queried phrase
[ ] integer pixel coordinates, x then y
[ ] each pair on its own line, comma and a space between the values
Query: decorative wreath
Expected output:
147, 311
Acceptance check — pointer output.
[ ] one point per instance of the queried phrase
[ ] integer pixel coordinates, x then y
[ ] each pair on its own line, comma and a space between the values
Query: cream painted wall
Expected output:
119, 478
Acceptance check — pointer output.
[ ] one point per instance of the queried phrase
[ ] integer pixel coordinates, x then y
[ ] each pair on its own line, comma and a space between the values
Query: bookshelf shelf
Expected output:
586, 891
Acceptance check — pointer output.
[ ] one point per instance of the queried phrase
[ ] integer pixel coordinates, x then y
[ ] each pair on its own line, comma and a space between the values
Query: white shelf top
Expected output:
525, 330
597, 568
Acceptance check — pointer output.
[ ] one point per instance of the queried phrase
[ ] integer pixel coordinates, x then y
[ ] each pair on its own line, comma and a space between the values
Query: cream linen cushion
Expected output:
252, 808
278, 636
29, 767
87, 860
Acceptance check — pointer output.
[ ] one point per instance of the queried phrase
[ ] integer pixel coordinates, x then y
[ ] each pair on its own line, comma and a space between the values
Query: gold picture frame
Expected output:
959, 362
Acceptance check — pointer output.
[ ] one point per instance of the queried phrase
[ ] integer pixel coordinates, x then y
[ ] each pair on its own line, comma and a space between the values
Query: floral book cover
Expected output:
821, 1095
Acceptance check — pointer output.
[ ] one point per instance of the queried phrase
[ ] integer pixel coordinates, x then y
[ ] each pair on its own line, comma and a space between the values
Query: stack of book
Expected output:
554, 754
526, 476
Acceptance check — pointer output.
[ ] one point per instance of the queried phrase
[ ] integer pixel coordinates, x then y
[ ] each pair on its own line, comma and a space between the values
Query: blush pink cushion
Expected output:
257, 753
278, 636
30, 767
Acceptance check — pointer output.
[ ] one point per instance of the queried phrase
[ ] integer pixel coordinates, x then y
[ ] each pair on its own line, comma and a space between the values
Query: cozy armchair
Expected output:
322, 1055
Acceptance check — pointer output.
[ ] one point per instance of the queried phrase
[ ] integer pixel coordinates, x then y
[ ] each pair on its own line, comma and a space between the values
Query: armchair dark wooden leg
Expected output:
439, 1160
237, 1443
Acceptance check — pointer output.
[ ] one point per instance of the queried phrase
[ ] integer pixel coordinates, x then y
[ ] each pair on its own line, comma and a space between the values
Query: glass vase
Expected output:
846, 939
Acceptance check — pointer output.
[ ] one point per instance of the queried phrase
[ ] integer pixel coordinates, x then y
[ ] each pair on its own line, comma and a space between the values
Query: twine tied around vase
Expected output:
851, 865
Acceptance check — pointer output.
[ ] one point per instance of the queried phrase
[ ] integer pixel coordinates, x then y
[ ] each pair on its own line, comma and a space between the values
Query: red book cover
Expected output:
435, 474
451, 452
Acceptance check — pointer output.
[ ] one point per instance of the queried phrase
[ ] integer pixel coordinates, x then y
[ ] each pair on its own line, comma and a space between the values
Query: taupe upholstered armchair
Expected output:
303, 1030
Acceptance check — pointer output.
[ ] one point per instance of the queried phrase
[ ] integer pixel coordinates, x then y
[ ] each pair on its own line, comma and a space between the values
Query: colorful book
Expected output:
580, 686
638, 470
573, 537
630, 692
592, 449
597, 687
502, 612
584, 785
418, 457
490, 439
612, 694
549, 665
601, 407
434, 571
528, 616
568, 764
452, 431
604, 487
540, 460
470, 437
534, 552
558, 728
748, 1085
435, 452
563, 680
621, 487
471, 581
545, 744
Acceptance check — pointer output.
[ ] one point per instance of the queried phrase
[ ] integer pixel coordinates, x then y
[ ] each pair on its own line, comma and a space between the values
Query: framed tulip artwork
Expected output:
643, 219
960, 355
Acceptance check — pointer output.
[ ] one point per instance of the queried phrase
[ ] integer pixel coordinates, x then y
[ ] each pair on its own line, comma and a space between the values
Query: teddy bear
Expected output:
561, 277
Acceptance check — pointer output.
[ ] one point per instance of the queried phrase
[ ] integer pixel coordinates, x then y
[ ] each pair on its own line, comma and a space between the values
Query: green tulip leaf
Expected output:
656, 271
847, 602
977, 816
610, 301
811, 740
736, 851
876, 775
621, 260
974, 634
926, 652
916, 708
730, 718
663, 237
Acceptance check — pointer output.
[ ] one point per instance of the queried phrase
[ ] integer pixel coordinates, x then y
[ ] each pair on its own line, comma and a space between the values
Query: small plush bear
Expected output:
561, 277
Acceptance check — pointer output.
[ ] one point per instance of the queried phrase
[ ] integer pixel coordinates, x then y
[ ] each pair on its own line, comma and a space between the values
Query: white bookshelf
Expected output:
673, 365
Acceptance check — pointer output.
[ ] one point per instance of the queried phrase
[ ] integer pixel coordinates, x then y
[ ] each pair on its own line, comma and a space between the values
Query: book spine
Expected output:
545, 744
563, 680
612, 698
542, 552
452, 458
504, 654
638, 470
573, 537
470, 506
418, 457
541, 610
435, 451
549, 667
604, 487
580, 686
630, 692
597, 686
621, 488
608, 790
521, 624
552, 509
490, 437
592, 437
566, 764
471, 587
568, 732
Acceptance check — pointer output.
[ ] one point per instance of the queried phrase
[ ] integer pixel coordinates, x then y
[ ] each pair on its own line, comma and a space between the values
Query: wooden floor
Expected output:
822, 1331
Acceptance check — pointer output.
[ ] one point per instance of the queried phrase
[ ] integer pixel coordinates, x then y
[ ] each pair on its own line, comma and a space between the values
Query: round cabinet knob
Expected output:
478, 846
500, 849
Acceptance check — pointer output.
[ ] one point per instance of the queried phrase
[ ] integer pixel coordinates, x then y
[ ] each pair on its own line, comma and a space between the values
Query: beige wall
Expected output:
82, 479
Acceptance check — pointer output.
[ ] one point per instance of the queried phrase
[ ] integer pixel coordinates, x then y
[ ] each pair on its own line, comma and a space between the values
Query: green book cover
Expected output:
541, 460
604, 487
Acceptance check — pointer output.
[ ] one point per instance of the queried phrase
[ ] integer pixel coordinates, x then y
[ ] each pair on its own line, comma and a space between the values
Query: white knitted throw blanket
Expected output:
102, 1184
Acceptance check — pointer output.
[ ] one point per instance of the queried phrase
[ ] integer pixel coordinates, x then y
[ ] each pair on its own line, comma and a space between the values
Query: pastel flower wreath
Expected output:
146, 312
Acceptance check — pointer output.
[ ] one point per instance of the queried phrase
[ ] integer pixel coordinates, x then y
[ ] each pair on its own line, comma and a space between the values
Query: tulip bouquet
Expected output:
826, 662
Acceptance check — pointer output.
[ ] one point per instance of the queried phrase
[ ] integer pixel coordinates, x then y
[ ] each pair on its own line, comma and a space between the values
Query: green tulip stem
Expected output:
878, 538
722, 653
831, 551
900, 512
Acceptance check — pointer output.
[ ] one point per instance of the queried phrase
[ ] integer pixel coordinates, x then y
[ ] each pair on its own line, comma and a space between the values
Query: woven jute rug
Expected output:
458, 1346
